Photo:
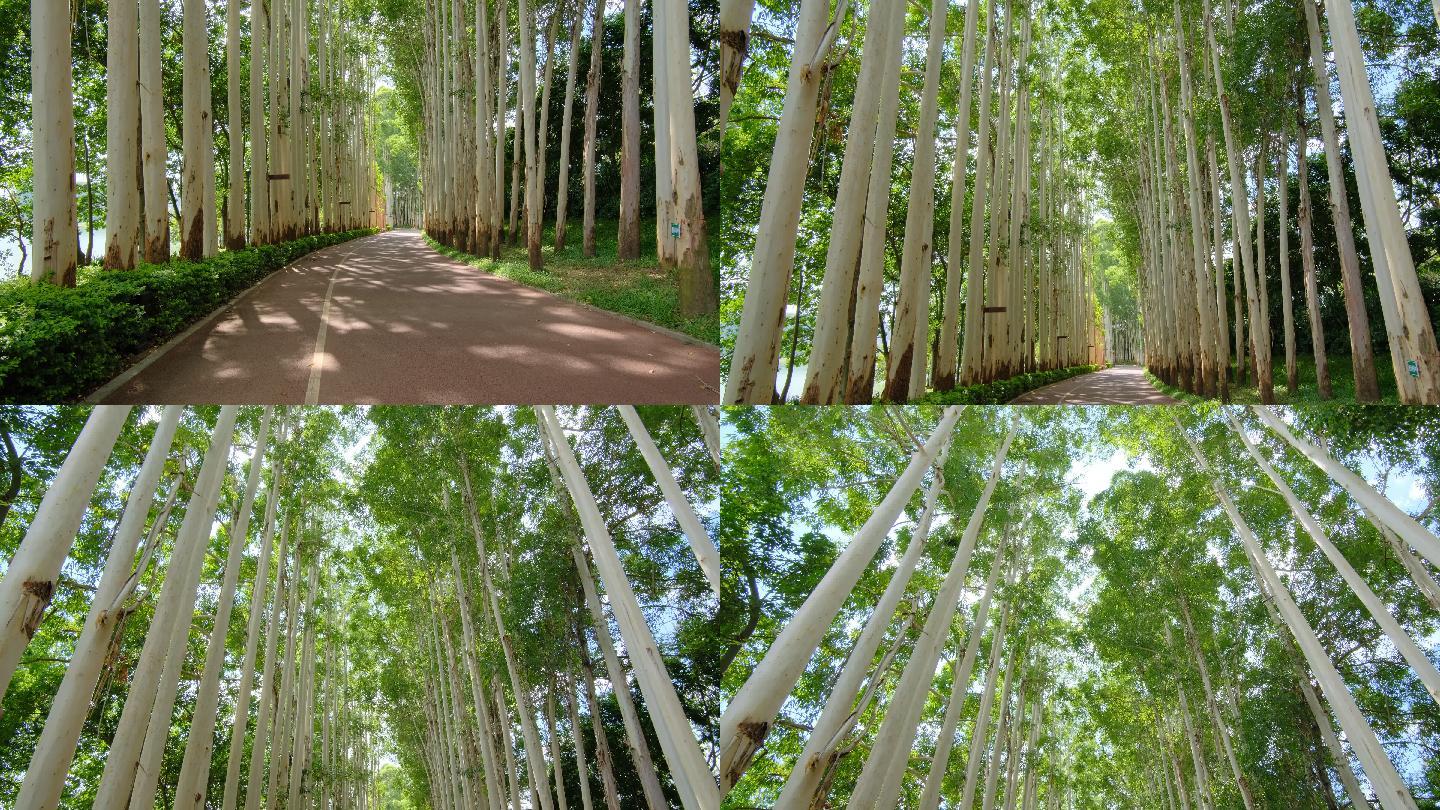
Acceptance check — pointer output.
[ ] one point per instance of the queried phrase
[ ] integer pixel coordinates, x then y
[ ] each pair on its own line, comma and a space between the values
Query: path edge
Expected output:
653, 327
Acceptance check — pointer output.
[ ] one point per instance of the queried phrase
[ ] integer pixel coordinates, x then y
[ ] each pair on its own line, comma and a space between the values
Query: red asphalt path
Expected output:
1118, 385
385, 319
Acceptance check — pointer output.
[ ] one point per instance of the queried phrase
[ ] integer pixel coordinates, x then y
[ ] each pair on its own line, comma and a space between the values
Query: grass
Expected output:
1342, 383
640, 289
1000, 392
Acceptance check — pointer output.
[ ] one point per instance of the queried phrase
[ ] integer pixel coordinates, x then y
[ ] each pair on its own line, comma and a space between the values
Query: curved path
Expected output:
1118, 385
385, 319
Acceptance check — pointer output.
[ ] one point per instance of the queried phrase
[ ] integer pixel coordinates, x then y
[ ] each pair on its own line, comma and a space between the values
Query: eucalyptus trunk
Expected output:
747, 718
55, 231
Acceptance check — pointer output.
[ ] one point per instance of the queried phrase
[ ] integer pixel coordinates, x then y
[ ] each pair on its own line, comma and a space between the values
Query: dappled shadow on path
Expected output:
408, 325
1120, 385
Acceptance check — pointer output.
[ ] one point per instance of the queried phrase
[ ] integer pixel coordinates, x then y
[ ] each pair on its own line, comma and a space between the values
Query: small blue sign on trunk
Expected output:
1413, 367
674, 230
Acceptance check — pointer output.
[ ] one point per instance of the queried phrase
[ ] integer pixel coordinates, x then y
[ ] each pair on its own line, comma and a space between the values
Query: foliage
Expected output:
1122, 530
58, 343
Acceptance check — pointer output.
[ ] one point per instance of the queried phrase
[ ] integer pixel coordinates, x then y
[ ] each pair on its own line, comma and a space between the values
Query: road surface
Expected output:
1118, 385
386, 319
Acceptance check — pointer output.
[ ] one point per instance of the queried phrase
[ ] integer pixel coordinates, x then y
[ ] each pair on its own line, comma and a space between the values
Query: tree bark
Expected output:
1389, 787
756, 357
153, 685
55, 233
1362, 357
199, 745
592, 102
45, 777
562, 185
689, 770
628, 238
31, 574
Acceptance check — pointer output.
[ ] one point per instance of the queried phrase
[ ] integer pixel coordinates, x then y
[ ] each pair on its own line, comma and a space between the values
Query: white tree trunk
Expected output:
200, 743
1417, 363
31, 574
562, 185
757, 344
959, 691
45, 777
1383, 508
839, 715
265, 710
1419, 662
693, 778
153, 684
196, 219
122, 128
1389, 787
153, 149
879, 784
56, 233
705, 551
747, 718
243, 695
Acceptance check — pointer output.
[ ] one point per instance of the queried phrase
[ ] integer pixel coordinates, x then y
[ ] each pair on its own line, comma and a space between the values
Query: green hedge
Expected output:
58, 343
1002, 391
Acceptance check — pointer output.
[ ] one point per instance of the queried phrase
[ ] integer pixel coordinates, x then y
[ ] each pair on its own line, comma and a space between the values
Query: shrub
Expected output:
57, 343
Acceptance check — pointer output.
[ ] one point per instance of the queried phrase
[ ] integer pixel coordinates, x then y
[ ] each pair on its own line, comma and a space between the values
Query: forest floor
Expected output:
1342, 383
386, 319
637, 289
1117, 385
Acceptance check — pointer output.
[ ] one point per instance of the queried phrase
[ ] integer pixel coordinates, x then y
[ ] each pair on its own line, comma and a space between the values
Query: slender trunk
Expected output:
628, 238
602, 746
1423, 541
747, 719
862, 174
1307, 263
1362, 357
196, 218
1379, 611
265, 710
978, 732
55, 233
691, 774
592, 102
582, 762
879, 784
31, 574
1389, 787
685, 222
45, 777
259, 129
199, 746
946, 356
477, 691
959, 691
839, 715
912, 311
122, 128
756, 357
972, 350
148, 706
559, 773
705, 551
1413, 351
562, 184
503, 720
735, 46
